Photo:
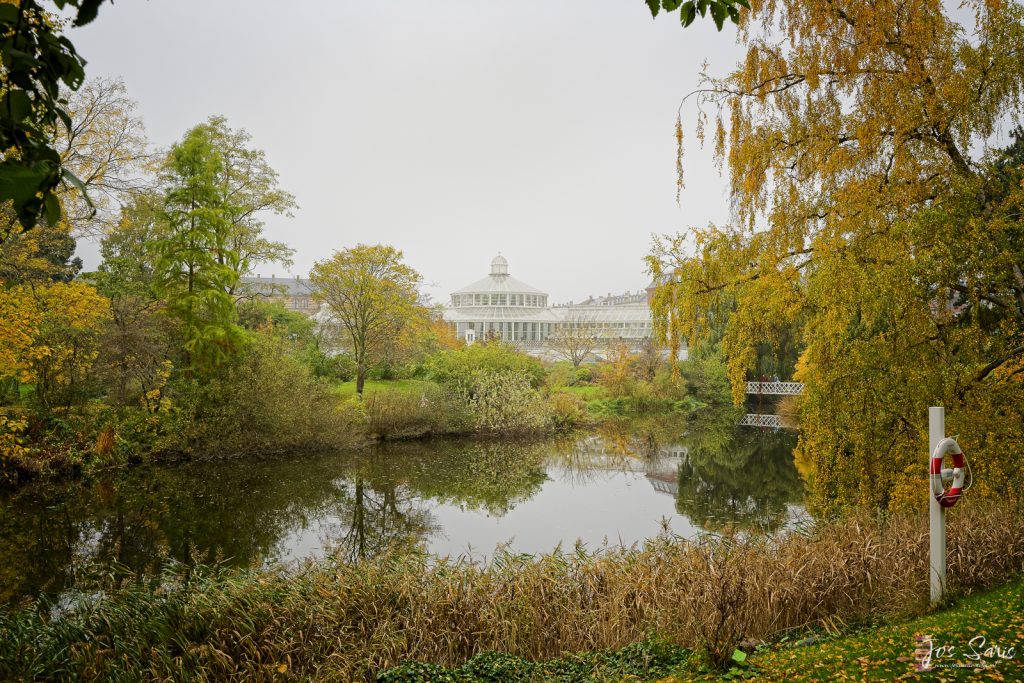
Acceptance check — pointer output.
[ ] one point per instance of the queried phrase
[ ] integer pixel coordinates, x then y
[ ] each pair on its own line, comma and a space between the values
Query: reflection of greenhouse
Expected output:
664, 475
501, 306
592, 454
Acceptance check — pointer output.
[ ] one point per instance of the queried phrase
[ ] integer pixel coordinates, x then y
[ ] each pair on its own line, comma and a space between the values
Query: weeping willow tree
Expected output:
873, 212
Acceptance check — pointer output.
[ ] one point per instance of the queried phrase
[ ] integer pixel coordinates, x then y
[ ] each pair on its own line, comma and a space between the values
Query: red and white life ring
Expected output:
948, 499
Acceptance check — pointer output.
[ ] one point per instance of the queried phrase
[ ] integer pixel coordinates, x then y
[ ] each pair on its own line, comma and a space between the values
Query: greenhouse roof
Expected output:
638, 312
499, 281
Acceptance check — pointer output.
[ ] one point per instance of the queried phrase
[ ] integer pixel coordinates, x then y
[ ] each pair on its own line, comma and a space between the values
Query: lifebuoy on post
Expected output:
958, 474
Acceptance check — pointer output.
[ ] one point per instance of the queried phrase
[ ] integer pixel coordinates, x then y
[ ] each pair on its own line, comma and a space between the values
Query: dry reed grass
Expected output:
342, 621
406, 415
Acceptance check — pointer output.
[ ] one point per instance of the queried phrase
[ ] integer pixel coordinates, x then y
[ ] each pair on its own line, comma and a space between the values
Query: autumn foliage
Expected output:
876, 212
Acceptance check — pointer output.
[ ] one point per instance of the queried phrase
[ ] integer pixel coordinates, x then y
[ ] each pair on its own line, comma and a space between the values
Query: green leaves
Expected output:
194, 270
688, 13
720, 10
718, 13
37, 62
17, 105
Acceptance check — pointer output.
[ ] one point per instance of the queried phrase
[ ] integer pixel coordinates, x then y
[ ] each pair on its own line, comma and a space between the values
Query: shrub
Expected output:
506, 401
340, 367
559, 375
403, 415
567, 410
708, 380
12, 448
392, 370
670, 385
273, 317
269, 402
641, 378
458, 369
648, 660
583, 375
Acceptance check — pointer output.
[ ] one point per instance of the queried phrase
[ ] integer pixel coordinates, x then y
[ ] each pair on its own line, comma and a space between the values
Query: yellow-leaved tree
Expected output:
19, 323
73, 318
874, 214
373, 302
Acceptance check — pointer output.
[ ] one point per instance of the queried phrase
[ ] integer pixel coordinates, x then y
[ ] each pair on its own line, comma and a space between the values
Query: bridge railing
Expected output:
759, 420
776, 388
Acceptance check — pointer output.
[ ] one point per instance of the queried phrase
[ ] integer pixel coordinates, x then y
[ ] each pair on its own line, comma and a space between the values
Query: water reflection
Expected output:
618, 484
739, 478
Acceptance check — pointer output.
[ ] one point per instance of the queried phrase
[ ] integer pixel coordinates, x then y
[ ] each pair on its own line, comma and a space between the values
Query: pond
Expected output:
621, 484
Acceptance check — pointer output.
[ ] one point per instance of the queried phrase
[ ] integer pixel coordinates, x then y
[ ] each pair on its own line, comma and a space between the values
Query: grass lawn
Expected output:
347, 389
985, 630
586, 392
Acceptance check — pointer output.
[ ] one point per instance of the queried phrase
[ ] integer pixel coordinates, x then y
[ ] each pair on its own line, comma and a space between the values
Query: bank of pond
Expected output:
356, 564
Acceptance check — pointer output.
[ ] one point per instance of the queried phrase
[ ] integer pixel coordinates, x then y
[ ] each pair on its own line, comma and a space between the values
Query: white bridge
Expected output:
776, 388
770, 389
759, 420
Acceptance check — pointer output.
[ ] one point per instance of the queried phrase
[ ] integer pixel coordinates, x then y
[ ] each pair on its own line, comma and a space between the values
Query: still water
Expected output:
621, 484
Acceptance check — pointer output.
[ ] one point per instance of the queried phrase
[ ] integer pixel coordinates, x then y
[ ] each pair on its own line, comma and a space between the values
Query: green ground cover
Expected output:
983, 635
587, 392
400, 386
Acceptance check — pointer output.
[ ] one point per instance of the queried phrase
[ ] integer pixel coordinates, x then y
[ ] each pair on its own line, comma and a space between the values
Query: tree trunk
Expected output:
360, 379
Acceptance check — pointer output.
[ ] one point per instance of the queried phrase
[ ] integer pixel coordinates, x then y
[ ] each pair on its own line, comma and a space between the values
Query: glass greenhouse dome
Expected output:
501, 306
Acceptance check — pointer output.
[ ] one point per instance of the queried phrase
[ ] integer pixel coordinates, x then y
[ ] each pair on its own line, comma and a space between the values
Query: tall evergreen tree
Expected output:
195, 269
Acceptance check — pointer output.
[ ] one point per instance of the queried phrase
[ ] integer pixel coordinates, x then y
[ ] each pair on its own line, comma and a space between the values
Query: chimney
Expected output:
272, 276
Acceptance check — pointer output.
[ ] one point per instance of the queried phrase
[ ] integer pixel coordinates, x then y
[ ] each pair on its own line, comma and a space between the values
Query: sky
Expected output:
451, 129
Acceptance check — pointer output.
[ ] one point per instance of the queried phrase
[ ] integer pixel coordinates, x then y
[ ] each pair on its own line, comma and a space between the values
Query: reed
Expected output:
340, 621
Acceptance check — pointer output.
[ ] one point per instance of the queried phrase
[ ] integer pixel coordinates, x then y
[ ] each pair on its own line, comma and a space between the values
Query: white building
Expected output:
500, 305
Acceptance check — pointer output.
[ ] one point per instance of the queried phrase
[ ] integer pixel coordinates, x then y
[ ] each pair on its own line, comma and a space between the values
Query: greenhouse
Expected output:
501, 306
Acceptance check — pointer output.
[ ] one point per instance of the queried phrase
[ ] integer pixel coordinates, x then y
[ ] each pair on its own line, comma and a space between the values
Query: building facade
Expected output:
294, 293
501, 306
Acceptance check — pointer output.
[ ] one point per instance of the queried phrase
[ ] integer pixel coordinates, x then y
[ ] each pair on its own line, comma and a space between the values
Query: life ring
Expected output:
948, 499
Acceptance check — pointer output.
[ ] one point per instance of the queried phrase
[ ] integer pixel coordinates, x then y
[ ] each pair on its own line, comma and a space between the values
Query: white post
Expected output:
936, 513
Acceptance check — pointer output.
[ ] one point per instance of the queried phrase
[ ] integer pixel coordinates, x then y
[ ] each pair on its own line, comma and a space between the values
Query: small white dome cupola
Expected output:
499, 266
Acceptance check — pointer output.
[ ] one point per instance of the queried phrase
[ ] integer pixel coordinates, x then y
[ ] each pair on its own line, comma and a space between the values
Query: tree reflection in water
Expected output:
376, 517
721, 475
253, 512
266, 511
738, 477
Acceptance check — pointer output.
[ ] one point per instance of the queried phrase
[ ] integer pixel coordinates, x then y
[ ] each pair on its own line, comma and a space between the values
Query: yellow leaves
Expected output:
19, 322
11, 430
75, 306
49, 332
373, 299
719, 139
12, 440
154, 400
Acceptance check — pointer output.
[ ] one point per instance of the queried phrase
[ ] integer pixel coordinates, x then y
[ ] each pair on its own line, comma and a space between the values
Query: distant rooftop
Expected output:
638, 297
277, 286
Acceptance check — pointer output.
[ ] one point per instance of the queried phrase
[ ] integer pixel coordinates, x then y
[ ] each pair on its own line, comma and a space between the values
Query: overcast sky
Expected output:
452, 129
